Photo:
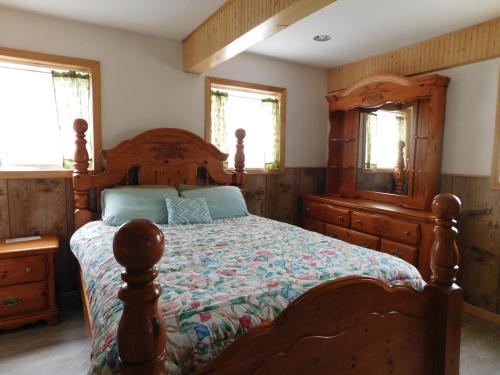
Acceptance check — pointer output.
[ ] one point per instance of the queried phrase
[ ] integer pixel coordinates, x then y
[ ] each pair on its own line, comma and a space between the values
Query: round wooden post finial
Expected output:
138, 246
444, 252
80, 125
240, 134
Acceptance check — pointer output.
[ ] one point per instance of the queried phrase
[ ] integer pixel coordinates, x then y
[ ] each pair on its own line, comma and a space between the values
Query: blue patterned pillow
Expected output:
188, 211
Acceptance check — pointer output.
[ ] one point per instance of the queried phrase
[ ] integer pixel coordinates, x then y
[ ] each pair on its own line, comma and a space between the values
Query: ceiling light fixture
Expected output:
322, 38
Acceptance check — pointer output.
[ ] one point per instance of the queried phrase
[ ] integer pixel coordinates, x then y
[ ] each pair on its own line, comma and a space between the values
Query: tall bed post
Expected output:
448, 296
239, 178
80, 175
138, 246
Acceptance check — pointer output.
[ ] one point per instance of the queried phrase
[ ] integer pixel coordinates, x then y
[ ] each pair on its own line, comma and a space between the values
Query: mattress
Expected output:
219, 280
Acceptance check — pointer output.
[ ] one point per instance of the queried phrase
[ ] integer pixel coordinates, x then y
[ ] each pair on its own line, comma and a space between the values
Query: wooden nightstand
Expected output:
27, 282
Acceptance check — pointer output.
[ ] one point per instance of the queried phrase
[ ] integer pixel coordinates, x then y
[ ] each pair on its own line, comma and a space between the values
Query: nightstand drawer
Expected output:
22, 299
21, 270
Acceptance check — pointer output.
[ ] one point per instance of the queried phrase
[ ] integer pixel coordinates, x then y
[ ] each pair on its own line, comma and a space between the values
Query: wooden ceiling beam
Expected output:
239, 24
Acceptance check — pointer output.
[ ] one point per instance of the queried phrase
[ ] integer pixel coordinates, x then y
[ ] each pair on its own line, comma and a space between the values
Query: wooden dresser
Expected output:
405, 233
27, 282
384, 160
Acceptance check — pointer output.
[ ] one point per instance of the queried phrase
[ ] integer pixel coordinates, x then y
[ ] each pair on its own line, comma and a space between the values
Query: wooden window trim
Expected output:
495, 164
281, 92
57, 61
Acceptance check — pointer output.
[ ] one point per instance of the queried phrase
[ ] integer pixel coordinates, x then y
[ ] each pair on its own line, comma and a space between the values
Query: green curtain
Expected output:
72, 98
272, 155
219, 126
371, 123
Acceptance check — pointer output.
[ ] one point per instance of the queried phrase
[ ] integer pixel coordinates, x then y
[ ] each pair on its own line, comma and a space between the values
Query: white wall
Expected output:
471, 104
143, 85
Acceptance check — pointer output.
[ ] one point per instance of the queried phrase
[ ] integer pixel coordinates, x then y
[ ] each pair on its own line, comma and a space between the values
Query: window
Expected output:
495, 168
258, 109
40, 96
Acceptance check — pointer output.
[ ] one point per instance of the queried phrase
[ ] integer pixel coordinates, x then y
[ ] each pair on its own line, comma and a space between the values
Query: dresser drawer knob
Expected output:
29, 269
341, 218
332, 234
11, 302
397, 253
308, 209
366, 244
357, 221
407, 232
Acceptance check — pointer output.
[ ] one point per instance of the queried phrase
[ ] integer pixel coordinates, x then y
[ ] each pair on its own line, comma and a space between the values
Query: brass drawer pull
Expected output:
332, 234
11, 302
357, 221
397, 253
308, 209
29, 269
341, 218
366, 244
407, 232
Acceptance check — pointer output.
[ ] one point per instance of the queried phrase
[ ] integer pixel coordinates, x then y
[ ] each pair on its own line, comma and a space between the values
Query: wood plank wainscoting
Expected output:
29, 206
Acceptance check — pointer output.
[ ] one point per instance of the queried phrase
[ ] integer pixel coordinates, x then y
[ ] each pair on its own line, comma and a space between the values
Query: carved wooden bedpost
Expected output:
449, 296
80, 173
239, 159
138, 246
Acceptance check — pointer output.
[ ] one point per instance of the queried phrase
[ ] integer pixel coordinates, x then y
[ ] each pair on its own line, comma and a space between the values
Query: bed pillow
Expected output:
127, 203
223, 201
188, 211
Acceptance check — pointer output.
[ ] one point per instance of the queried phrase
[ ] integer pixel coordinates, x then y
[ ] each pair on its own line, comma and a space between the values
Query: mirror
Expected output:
385, 149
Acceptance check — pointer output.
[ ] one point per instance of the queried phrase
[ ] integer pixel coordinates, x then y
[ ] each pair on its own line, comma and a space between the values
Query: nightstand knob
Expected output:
11, 302
29, 269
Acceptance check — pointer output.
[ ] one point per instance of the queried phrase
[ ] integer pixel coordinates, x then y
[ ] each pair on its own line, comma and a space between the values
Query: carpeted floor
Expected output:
64, 349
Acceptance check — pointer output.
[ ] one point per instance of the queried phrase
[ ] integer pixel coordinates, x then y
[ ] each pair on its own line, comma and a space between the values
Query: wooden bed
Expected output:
352, 325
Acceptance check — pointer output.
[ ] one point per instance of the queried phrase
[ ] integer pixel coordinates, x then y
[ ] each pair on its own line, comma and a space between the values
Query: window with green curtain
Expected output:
259, 113
38, 107
72, 98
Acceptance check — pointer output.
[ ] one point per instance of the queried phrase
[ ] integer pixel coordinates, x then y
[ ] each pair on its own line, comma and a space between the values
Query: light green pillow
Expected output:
223, 201
127, 203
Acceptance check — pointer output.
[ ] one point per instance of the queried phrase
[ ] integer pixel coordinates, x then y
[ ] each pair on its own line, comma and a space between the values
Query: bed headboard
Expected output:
165, 156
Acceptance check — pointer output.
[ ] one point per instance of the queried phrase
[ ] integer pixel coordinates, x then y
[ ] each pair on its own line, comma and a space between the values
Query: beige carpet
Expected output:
63, 349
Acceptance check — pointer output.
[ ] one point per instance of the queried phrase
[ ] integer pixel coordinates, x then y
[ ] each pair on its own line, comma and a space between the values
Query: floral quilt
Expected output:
219, 280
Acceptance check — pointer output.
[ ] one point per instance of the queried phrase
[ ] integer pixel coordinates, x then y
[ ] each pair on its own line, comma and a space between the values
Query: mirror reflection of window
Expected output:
383, 132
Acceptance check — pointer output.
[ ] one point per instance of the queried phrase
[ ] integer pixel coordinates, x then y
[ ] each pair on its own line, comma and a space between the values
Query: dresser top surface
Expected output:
374, 206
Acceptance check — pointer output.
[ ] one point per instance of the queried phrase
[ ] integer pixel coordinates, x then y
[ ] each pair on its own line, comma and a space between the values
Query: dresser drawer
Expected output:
22, 299
337, 232
384, 226
314, 225
363, 240
337, 216
405, 252
21, 270
314, 210
406, 232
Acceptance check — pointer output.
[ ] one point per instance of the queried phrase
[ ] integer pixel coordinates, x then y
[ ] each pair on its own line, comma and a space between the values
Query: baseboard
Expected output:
480, 313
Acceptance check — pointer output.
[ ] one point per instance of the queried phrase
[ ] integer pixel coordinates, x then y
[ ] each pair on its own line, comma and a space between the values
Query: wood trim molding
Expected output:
465, 46
58, 61
480, 313
495, 164
265, 89
239, 24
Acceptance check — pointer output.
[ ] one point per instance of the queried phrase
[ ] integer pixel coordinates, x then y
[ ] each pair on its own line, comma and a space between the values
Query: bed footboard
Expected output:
353, 325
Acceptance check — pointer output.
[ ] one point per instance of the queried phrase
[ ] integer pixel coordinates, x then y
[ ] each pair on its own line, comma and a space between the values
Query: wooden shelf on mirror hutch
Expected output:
384, 160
